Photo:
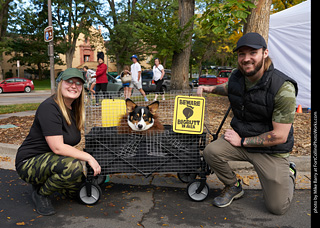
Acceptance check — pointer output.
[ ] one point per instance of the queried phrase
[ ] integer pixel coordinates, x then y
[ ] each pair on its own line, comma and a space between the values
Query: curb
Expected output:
303, 163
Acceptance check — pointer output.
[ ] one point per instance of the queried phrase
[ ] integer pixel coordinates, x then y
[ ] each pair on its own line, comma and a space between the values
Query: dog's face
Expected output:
141, 118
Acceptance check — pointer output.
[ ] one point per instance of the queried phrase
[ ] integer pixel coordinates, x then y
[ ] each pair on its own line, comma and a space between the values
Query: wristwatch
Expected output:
242, 140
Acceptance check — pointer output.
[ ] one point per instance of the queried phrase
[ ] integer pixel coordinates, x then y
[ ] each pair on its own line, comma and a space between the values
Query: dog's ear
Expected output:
153, 107
130, 105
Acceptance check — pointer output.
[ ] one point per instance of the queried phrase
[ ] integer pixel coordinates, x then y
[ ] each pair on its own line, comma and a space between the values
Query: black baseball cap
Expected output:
251, 39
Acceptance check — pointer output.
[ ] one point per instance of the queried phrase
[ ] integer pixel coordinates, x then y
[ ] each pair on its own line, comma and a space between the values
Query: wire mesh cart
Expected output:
119, 150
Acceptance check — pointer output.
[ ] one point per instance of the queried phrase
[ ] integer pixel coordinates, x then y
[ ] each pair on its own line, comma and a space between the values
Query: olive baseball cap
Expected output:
251, 39
70, 73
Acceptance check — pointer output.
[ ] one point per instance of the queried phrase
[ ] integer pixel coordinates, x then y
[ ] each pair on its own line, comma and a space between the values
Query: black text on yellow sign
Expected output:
188, 114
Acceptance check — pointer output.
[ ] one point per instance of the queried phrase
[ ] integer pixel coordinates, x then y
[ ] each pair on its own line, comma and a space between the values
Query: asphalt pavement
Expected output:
144, 205
36, 96
135, 201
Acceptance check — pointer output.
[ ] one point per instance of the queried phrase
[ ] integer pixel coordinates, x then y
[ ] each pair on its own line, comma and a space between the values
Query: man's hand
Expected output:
218, 89
205, 89
232, 137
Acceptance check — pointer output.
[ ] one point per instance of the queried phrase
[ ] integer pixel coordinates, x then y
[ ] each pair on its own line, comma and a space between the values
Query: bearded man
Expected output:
263, 102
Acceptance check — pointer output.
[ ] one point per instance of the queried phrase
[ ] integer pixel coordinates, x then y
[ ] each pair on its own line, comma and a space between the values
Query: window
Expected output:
86, 58
147, 75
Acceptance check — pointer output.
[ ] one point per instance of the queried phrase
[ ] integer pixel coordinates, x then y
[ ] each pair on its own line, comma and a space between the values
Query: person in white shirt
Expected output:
136, 77
158, 73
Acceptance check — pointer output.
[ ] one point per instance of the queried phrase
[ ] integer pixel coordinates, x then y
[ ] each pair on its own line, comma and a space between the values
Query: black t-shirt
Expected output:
48, 121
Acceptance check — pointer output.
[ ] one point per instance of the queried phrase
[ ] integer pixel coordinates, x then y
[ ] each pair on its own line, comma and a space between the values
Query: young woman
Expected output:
101, 78
158, 73
47, 158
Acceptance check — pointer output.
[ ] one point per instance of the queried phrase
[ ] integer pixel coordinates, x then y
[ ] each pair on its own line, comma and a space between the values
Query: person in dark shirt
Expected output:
47, 159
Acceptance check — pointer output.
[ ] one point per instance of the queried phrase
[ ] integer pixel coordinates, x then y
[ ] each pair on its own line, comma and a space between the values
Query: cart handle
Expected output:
215, 136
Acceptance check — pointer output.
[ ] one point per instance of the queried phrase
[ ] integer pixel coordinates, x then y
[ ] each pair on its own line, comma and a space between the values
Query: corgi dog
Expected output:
140, 118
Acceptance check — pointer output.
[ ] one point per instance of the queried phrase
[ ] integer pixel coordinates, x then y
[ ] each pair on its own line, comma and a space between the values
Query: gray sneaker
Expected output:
228, 194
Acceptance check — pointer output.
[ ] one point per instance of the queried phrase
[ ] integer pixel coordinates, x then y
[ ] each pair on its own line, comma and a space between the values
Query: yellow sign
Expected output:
112, 111
188, 114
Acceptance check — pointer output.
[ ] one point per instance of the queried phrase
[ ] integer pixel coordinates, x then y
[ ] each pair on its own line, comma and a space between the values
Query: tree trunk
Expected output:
180, 60
258, 20
69, 57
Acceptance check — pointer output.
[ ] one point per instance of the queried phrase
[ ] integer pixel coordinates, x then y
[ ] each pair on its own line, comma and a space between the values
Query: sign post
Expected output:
18, 67
188, 114
48, 37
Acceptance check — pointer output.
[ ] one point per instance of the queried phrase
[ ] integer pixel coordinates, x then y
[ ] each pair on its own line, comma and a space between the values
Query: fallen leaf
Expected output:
20, 223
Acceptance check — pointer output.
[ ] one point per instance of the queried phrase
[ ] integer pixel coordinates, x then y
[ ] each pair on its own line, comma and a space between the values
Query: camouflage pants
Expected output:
53, 173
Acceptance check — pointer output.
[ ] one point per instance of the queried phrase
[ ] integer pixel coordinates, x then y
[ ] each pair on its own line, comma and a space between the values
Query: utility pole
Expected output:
50, 51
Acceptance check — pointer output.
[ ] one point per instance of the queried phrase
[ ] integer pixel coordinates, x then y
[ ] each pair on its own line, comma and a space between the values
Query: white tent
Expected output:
289, 45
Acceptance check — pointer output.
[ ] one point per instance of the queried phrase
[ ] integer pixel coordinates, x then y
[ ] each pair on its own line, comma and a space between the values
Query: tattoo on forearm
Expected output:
260, 139
221, 90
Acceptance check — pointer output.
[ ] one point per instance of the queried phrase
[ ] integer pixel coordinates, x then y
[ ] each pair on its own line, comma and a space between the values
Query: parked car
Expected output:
208, 80
195, 82
114, 85
223, 76
16, 85
148, 84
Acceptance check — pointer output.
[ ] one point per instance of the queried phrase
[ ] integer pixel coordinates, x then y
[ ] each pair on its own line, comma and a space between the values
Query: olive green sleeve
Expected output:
284, 104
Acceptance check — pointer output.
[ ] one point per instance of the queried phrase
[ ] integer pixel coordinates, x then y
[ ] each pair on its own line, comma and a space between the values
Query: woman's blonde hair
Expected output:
77, 105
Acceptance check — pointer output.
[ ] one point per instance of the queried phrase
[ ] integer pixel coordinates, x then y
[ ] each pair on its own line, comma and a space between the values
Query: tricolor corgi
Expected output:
140, 118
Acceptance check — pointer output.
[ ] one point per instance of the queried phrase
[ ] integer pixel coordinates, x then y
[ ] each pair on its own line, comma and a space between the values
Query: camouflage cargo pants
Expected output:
53, 173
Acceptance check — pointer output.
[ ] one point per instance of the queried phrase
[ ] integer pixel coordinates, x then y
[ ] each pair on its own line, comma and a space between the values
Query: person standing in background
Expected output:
101, 78
136, 77
158, 74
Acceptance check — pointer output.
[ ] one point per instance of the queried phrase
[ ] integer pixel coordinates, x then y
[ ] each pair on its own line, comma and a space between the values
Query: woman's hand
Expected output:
58, 147
94, 165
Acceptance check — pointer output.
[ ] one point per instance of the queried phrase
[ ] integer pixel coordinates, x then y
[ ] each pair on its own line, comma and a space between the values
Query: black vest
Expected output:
253, 108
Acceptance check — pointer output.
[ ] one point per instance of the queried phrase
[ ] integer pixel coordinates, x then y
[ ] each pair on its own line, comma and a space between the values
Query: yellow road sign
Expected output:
188, 114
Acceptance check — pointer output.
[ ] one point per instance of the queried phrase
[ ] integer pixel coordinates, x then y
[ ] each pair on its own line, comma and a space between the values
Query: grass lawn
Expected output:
4, 109
42, 85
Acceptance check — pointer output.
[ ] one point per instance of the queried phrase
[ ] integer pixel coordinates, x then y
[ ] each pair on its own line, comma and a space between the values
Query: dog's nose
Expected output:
140, 126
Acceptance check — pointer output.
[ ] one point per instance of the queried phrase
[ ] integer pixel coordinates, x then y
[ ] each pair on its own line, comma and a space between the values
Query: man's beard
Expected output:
251, 73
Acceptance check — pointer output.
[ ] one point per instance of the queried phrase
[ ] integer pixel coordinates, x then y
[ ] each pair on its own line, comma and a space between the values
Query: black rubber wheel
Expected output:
186, 177
95, 194
99, 180
192, 191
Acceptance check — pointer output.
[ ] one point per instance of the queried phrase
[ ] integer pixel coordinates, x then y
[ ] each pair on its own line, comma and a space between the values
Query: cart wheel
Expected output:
186, 177
95, 193
192, 191
99, 180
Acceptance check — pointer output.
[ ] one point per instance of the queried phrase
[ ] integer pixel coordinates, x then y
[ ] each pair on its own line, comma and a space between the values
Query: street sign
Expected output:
48, 34
188, 114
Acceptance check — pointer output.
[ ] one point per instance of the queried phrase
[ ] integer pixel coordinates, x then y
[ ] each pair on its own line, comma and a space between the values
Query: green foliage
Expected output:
158, 27
224, 17
25, 40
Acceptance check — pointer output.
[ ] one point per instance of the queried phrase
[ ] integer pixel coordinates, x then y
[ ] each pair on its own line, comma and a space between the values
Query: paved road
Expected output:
22, 98
133, 205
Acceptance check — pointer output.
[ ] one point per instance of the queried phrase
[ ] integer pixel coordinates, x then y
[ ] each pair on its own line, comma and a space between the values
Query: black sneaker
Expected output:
42, 203
293, 169
293, 172
229, 193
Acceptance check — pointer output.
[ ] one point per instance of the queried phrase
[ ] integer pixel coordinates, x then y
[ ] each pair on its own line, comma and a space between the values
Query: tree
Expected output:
180, 59
278, 5
159, 29
119, 18
25, 40
258, 20
72, 17
4, 15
